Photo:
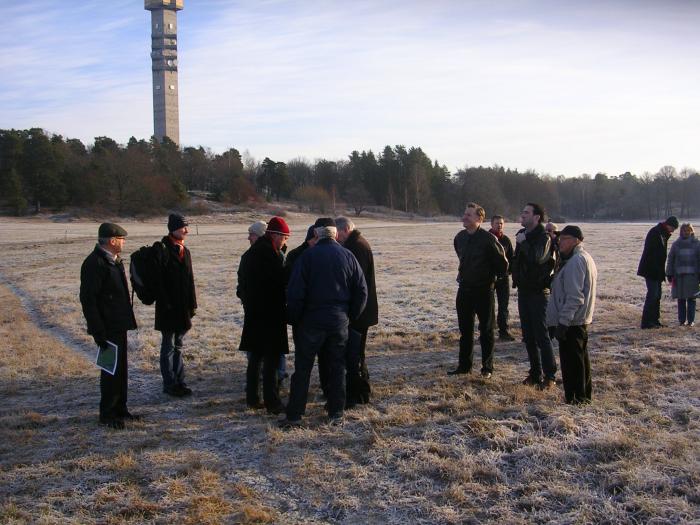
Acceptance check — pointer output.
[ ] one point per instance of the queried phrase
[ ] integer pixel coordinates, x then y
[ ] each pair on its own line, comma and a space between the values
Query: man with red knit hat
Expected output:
262, 291
175, 305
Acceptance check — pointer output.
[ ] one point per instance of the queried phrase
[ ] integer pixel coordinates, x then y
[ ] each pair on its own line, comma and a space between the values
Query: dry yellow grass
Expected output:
429, 449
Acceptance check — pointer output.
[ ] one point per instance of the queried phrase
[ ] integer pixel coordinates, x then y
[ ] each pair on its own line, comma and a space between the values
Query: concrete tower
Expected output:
166, 120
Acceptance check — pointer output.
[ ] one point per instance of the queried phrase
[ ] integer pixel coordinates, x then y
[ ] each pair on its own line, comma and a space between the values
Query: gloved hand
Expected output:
100, 341
560, 332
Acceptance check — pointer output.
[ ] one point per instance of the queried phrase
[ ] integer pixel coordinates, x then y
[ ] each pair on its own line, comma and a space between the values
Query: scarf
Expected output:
180, 245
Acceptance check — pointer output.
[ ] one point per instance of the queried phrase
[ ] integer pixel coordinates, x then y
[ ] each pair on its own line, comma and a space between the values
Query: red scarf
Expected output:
497, 234
180, 244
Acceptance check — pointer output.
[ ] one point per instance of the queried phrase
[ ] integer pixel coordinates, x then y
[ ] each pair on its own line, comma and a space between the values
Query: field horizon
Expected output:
428, 449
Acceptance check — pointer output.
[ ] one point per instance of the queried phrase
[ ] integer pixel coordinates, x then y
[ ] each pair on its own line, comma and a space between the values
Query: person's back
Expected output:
326, 291
327, 287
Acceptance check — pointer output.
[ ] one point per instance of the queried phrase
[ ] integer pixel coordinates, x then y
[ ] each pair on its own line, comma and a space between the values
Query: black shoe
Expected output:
486, 375
458, 371
336, 420
505, 336
130, 417
112, 422
255, 405
186, 391
276, 410
548, 384
289, 424
175, 391
531, 381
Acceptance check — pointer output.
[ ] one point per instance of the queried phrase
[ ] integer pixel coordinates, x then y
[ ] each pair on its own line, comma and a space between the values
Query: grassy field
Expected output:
429, 449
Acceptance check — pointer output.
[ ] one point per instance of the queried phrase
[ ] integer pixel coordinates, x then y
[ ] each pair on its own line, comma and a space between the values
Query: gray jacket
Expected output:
573, 291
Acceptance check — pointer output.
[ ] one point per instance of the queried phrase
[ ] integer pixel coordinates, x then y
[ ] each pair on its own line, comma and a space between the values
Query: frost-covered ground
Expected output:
430, 448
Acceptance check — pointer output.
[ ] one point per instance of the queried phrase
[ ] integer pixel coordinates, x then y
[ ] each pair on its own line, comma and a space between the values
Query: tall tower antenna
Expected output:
166, 120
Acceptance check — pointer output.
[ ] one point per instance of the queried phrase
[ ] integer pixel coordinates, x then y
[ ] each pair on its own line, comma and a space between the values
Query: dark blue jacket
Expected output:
327, 288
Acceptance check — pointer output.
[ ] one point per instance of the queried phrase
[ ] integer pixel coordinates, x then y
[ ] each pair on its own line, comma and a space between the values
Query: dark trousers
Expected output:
479, 302
358, 389
113, 387
270, 380
575, 365
503, 297
357, 373
532, 307
171, 367
651, 314
686, 310
312, 341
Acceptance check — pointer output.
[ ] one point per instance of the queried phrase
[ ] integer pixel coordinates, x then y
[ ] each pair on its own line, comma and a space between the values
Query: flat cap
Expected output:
572, 231
108, 229
324, 222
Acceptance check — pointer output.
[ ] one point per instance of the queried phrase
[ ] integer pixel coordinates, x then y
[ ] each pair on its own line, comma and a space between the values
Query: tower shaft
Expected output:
166, 120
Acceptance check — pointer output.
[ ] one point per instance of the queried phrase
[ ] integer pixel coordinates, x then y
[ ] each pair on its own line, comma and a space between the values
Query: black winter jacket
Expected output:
533, 262
104, 296
652, 265
261, 286
327, 288
362, 251
481, 259
177, 299
292, 258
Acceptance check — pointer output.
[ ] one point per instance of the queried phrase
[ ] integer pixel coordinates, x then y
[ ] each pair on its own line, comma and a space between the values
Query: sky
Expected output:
560, 87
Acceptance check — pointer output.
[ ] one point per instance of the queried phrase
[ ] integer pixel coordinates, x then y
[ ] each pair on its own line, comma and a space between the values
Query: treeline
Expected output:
143, 177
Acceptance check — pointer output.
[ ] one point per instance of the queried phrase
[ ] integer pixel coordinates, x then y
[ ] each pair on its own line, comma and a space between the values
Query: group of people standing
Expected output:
108, 310
541, 261
681, 269
325, 290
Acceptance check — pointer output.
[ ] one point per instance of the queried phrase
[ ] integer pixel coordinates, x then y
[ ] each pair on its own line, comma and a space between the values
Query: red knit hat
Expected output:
278, 225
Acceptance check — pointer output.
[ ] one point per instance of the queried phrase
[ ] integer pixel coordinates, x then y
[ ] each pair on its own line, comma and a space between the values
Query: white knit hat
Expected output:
258, 228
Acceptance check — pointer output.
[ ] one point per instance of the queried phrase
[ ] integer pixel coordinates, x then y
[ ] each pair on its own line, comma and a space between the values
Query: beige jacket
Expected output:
573, 291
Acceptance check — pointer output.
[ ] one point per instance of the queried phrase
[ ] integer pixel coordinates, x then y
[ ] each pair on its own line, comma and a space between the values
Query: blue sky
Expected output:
561, 87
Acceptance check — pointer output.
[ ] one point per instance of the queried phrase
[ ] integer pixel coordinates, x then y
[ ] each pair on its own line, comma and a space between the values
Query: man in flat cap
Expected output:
652, 266
104, 296
176, 305
570, 311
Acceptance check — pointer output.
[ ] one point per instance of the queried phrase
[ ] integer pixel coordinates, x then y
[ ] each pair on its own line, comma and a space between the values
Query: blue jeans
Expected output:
171, 367
281, 366
686, 310
532, 307
310, 342
651, 314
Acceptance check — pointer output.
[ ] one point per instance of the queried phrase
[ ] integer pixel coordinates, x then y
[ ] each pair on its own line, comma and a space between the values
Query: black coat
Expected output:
652, 265
481, 259
291, 258
104, 296
177, 299
507, 246
362, 251
261, 288
534, 261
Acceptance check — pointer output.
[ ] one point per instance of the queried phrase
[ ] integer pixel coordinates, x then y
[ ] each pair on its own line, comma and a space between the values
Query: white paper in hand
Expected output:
106, 358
